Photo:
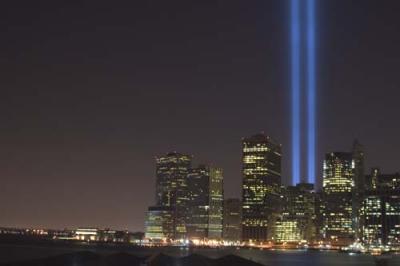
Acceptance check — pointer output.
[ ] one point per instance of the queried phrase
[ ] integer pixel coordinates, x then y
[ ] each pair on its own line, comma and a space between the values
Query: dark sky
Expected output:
91, 92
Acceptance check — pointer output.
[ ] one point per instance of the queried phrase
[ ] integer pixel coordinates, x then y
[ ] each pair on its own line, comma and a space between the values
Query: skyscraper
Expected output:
359, 186
298, 219
159, 223
232, 229
205, 205
171, 188
380, 212
338, 189
260, 188
199, 205
216, 203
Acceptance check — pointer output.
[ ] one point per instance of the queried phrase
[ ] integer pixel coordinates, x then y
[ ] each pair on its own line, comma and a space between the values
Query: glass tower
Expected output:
298, 219
205, 206
171, 188
338, 189
261, 168
232, 229
380, 212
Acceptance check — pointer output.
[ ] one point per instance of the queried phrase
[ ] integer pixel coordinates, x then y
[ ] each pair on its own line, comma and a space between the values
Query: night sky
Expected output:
92, 92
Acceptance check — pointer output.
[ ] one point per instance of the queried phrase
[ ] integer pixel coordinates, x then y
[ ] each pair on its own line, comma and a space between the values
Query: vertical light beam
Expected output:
311, 91
295, 87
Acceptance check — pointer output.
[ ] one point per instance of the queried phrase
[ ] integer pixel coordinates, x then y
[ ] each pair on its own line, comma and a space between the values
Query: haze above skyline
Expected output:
92, 93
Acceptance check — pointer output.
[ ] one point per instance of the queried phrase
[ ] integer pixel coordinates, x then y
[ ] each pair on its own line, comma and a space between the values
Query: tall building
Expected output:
232, 228
319, 209
159, 223
338, 189
261, 187
359, 186
171, 172
216, 203
171, 188
205, 205
380, 212
297, 221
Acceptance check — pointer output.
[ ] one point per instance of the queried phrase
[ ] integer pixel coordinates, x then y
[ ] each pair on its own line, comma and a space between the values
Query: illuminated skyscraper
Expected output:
298, 219
205, 206
380, 212
216, 203
199, 205
261, 186
232, 229
159, 223
171, 188
338, 189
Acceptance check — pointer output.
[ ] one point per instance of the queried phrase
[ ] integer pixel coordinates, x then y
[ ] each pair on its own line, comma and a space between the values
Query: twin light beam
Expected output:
310, 84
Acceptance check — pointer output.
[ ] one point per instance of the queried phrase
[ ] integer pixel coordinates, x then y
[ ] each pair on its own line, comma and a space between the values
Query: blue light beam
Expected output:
295, 87
311, 91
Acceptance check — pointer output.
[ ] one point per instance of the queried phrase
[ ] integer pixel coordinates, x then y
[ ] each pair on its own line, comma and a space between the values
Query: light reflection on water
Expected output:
10, 253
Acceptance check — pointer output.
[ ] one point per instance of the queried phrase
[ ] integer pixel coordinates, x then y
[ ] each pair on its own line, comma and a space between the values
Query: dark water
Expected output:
10, 253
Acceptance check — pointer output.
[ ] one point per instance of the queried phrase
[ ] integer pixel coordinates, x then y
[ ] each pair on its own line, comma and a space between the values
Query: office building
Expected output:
205, 205
87, 234
159, 224
338, 189
287, 230
380, 212
297, 221
232, 222
261, 187
171, 188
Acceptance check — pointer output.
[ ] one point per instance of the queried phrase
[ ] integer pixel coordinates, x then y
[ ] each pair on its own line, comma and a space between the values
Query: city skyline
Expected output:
90, 101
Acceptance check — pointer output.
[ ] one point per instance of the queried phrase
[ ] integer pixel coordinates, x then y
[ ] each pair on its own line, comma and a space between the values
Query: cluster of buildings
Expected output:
105, 235
80, 234
351, 206
189, 203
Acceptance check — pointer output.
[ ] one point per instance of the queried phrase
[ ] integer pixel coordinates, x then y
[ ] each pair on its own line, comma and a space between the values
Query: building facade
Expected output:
205, 205
87, 234
159, 224
261, 187
171, 188
338, 189
380, 210
232, 228
297, 221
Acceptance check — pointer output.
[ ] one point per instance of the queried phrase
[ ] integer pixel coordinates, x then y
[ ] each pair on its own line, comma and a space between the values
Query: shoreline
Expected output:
20, 251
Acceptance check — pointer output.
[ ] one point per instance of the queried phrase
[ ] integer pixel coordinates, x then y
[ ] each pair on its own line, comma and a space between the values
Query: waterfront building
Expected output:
107, 235
87, 234
136, 237
171, 188
287, 230
159, 225
232, 222
297, 221
338, 189
261, 187
381, 210
205, 205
